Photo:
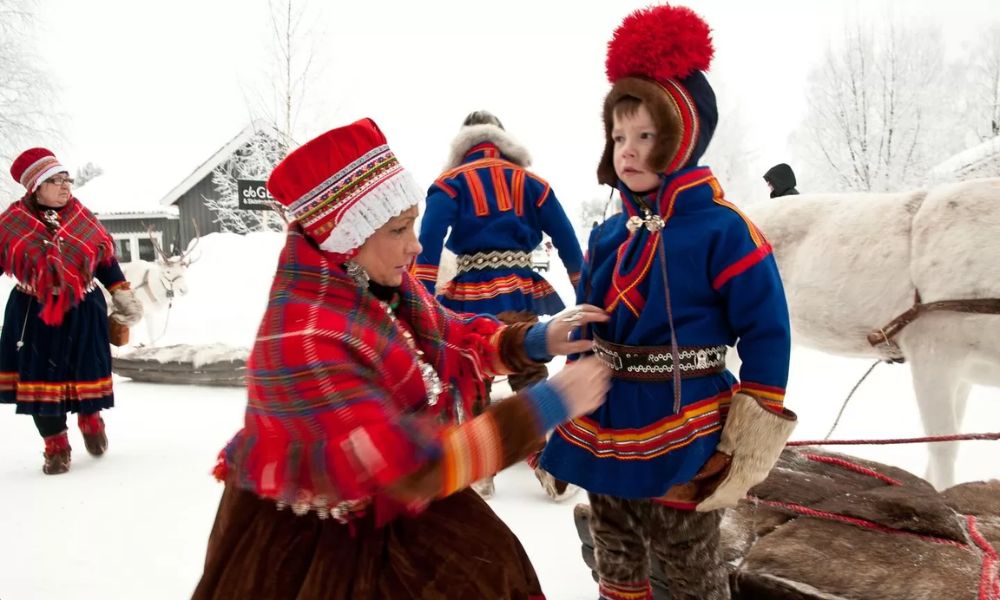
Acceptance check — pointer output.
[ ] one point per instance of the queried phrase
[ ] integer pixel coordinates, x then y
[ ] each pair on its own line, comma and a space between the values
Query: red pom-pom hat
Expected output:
657, 55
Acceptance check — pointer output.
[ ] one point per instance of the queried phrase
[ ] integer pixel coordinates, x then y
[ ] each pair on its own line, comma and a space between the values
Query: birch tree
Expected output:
254, 160
27, 117
880, 110
983, 93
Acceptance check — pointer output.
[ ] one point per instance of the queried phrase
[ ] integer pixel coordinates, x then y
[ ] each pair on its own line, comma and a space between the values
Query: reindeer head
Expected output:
173, 268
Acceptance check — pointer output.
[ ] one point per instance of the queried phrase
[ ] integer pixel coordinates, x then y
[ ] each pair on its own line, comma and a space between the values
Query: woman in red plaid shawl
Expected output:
55, 355
357, 385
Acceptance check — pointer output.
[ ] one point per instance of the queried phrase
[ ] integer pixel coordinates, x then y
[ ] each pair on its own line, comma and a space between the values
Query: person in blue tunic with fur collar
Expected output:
497, 212
683, 275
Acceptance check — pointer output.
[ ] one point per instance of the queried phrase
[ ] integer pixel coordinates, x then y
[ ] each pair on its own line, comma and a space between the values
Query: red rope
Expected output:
840, 462
989, 580
989, 583
863, 523
934, 438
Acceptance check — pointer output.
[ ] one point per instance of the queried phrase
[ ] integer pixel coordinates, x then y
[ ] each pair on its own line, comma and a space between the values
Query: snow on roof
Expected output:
114, 194
213, 161
968, 158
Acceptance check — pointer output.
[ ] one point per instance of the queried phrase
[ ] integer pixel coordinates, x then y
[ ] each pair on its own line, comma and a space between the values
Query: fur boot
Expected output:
94, 436
484, 487
754, 436
557, 489
57, 454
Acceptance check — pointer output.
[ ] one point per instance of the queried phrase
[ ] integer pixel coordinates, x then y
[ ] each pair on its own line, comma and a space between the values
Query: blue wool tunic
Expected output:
724, 290
491, 204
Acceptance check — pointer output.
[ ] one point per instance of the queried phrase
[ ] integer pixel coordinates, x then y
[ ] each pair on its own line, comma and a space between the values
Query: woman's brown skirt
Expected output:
458, 548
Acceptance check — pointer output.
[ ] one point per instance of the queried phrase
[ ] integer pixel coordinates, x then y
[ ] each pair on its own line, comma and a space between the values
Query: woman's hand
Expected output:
563, 324
583, 385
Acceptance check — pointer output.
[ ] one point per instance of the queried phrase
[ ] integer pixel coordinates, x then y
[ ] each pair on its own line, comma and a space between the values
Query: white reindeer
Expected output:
156, 284
852, 263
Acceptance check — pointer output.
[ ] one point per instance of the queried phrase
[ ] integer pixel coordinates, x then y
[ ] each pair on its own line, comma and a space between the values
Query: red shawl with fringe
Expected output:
337, 407
57, 264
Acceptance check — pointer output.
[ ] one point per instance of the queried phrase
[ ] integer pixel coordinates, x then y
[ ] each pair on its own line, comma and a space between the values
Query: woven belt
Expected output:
656, 363
494, 259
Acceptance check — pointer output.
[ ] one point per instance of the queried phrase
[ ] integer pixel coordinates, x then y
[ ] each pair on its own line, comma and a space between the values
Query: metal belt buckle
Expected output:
609, 357
701, 359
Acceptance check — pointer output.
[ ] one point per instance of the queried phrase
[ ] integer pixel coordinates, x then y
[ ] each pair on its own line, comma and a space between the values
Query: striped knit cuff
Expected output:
638, 590
548, 405
771, 397
535, 345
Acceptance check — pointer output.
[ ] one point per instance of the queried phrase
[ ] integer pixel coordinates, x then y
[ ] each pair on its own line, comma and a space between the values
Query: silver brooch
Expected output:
652, 222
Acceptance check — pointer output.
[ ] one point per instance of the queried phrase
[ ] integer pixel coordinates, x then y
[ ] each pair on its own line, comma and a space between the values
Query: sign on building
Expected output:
253, 195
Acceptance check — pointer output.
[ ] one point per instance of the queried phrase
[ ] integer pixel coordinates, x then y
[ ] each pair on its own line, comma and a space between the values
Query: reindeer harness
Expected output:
884, 336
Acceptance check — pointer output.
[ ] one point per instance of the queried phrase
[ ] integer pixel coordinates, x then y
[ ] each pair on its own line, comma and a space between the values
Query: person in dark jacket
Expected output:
781, 179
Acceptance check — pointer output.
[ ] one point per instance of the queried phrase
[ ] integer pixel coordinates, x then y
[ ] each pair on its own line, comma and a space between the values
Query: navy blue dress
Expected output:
63, 368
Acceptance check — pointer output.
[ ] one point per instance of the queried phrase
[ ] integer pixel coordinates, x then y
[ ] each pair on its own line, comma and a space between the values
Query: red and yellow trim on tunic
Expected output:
488, 149
476, 164
696, 420
683, 183
477, 192
485, 290
719, 197
740, 266
47, 392
121, 285
623, 285
447, 189
770, 396
470, 453
546, 190
517, 191
425, 272
504, 202
762, 250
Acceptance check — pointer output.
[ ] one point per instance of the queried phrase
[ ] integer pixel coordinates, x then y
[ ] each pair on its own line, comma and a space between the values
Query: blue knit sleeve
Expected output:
439, 216
554, 222
549, 405
535, 344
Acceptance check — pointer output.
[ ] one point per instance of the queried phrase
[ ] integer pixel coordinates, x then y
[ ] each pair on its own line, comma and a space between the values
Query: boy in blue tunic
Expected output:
683, 275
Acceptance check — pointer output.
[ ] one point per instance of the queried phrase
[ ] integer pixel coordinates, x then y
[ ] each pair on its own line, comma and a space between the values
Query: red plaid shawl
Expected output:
58, 266
337, 408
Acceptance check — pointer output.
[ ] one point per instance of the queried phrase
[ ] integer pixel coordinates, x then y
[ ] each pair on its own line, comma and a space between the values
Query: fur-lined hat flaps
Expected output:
665, 116
472, 135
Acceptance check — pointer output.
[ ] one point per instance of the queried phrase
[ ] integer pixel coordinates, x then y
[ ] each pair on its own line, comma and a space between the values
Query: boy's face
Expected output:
634, 137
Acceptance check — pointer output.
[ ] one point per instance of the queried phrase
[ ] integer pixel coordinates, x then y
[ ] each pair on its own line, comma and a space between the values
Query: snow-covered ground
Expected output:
134, 523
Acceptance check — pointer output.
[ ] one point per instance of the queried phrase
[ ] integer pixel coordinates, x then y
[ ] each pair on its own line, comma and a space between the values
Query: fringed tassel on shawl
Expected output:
58, 274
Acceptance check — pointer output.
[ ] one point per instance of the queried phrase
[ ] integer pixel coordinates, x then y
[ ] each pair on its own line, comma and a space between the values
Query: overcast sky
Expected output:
149, 90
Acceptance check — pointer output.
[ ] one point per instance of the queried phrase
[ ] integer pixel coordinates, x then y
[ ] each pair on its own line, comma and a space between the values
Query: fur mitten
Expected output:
128, 308
754, 436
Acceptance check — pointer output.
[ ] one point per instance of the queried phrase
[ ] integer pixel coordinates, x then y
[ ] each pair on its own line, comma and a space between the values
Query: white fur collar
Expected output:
477, 134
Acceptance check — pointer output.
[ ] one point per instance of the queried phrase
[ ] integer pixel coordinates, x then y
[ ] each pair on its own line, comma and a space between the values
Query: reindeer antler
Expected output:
186, 253
156, 245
